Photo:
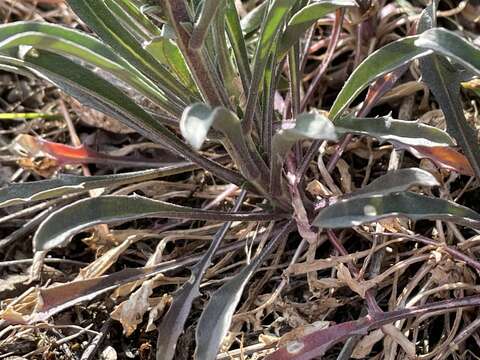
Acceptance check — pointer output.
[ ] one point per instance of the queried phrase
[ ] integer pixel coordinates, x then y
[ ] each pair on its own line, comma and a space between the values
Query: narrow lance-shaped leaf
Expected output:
238, 45
200, 65
217, 315
224, 63
423, 141
358, 211
449, 44
17, 70
99, 18
401, 52
62, 224
274, 19
404, 134
174, 320
444, 80
382, 61
168, 52
76, 44
396, 181
209, 11
35, 147
307, 126
133, 18
68, 184
59, 297
195, 124
253, 20
306, 17
94, 91
387, 129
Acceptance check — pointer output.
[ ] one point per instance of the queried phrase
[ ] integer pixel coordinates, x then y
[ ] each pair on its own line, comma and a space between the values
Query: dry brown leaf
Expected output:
45, 167
12, 316
406, 89
316, 188
157, 311
345, 177
343, 274
10, 282
365, 345
130, 312
103, 263
444, 157
434, 118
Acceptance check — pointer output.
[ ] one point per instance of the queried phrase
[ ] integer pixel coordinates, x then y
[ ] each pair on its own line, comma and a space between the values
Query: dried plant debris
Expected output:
239, 179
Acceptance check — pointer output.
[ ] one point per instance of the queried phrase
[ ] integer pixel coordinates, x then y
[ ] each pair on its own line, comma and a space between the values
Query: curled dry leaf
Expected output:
104, 262
343, 274
158, 310
130, 312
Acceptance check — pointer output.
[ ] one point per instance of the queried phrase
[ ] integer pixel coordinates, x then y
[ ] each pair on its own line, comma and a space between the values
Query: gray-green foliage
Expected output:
209, 84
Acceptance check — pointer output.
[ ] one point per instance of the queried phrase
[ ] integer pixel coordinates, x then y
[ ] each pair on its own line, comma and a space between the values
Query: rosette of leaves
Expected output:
211, 84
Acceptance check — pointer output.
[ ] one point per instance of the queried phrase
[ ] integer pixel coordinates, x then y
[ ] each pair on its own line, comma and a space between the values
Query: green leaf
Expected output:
357, 211
379, 63
94, 91
253, 20
444, 83
173, 321
72, 43
209, 11
133, 19
238, 45
444, 80
101, 20
68, 184
217, 315
307, 126
61, 225
16, 70
275, 18
386, 129
449, 44
200, 62
195, 124
169, 54
396, 181
305, 18
401, 52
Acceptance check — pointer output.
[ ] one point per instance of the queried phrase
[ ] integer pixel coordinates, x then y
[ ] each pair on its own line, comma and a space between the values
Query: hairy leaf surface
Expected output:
397, 181
68, 184
62, 224
217, 315
386, 129
444, 79
358, 211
